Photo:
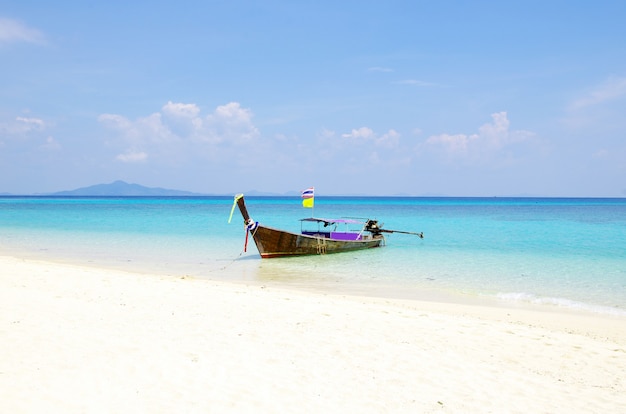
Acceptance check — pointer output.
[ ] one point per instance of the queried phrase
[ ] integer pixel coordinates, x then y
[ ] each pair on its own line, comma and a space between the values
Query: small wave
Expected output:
560, 302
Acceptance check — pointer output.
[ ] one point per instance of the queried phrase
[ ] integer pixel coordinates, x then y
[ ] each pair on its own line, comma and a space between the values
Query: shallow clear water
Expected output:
565, 252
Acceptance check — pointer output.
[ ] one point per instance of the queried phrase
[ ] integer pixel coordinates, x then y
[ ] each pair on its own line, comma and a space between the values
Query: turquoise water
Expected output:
553, 252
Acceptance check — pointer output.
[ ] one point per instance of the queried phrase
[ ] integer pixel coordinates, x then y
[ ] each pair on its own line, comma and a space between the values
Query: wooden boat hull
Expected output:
279, 243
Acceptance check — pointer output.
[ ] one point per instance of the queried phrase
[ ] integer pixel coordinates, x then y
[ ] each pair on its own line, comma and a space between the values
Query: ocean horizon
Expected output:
567, 253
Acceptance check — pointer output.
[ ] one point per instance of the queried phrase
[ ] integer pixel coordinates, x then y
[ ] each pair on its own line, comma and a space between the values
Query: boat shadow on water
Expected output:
321, 271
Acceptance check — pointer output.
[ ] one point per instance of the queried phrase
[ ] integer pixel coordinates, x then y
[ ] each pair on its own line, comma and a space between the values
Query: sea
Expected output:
552, 253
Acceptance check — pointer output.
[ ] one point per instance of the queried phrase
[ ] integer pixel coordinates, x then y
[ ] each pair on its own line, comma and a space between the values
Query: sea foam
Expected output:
529, 298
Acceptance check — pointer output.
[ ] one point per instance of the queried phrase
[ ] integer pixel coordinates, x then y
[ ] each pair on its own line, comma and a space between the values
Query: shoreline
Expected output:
79, 338
434, 299
400, 291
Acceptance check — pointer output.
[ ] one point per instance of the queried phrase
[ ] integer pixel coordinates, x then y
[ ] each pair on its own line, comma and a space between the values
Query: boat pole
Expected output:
242, 207
249, 224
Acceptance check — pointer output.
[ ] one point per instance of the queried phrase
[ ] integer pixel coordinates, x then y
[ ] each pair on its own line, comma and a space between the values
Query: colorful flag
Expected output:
308, 197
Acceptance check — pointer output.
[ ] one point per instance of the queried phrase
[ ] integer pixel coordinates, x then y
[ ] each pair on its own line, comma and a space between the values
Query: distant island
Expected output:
122, 188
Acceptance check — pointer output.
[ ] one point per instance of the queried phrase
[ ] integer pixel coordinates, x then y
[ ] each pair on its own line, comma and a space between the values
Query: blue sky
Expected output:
475, 98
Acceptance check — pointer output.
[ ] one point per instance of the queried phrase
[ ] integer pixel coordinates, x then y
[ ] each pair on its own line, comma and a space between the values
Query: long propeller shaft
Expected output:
420, 234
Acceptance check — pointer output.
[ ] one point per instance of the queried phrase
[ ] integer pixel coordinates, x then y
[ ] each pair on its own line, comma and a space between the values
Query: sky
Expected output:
420, 98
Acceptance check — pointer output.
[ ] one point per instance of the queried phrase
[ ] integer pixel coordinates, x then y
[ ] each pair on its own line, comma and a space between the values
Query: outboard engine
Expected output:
372, 227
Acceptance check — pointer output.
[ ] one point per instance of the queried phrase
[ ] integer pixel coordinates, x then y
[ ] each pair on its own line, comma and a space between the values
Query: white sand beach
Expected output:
83, 340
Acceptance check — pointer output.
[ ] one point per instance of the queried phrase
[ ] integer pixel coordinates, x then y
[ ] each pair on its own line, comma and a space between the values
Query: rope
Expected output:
238, 256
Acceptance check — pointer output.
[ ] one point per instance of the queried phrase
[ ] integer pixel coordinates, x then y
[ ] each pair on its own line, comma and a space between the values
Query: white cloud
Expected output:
178, 130
364, 134
183, 120
361, 133
129, 130
51, 144
132, 156
491, 139
613, 88
29, 132
390, 140
358, 150
415, 82
115, 121
12, 31
233, 111
34, 123
232, 123
22, 126
153, 128
458, 143
379, 69
496, 134
326, 133
180, 110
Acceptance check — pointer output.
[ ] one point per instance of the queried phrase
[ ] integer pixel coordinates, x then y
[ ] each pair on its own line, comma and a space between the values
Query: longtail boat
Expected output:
317, 236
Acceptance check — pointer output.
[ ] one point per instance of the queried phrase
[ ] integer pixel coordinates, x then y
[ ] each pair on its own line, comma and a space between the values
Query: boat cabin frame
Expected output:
329, 229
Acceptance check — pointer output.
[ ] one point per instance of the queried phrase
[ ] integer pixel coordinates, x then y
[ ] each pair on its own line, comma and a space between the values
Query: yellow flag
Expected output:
308, 197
